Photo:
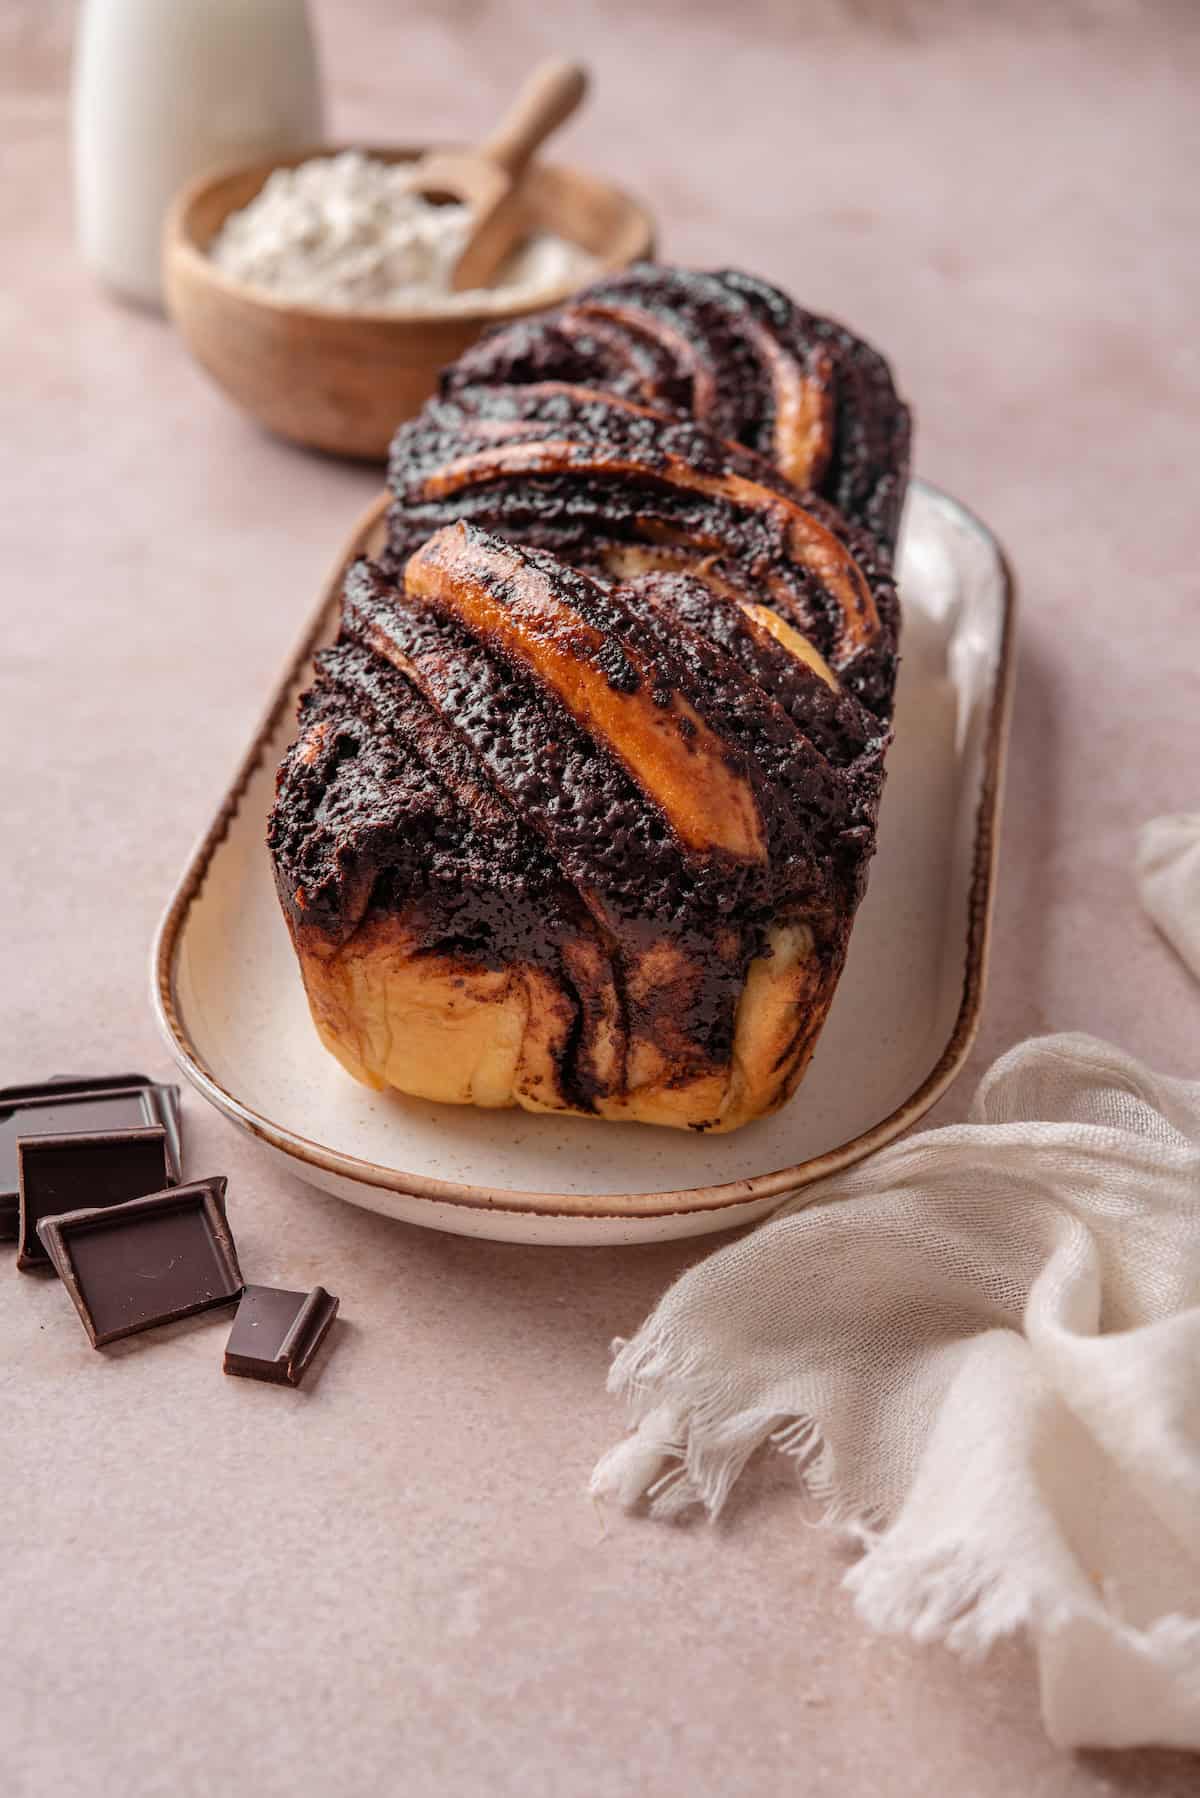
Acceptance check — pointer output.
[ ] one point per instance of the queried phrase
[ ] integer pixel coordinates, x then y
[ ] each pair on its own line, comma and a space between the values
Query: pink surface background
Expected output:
392, 1582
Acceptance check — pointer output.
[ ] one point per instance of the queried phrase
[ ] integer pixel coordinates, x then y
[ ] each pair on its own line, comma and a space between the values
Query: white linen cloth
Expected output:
1168, 870
982, 1346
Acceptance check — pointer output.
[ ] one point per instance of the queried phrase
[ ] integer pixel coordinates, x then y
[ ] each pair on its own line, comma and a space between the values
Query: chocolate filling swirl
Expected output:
740, 358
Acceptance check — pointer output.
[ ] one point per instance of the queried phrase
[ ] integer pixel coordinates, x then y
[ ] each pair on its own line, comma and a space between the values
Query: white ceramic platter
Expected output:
228, 996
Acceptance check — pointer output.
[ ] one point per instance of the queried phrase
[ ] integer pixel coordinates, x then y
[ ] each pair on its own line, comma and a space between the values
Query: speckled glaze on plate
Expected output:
228, 996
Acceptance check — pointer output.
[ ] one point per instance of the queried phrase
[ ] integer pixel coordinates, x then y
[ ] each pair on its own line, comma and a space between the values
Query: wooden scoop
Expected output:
488, 179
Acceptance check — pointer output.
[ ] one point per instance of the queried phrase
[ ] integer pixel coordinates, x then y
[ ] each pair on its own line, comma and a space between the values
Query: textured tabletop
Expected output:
391, 1581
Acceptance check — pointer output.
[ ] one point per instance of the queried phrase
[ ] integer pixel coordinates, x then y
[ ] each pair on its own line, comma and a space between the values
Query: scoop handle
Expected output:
548, 98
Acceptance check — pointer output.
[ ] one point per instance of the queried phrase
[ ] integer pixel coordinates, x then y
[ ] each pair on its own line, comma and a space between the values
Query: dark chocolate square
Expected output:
62, 1106
66, 1173
276, 1334
147, 1262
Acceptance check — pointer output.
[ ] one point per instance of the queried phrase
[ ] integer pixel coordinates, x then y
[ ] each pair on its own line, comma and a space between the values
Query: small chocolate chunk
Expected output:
84, 1102
276, 1334
100, 1168
149, 1261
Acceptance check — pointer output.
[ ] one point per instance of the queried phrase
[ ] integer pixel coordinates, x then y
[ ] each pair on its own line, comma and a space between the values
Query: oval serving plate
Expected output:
228, 996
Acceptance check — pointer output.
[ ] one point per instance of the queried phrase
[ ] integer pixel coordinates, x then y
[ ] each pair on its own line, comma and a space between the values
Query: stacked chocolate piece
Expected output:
90, 1188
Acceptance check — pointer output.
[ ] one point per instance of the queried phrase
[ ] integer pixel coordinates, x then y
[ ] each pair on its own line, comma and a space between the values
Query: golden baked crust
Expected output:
449, 1028
584, 795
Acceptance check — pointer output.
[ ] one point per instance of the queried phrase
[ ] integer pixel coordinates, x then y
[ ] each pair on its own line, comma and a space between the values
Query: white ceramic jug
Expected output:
165, 89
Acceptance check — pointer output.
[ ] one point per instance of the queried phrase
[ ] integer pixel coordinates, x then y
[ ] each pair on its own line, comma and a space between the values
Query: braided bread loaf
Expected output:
584, 795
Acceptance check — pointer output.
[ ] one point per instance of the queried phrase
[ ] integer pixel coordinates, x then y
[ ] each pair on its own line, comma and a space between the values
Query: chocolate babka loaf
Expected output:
584, 794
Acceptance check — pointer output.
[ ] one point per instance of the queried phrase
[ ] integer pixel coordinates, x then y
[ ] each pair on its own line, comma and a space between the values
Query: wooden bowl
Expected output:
343, 381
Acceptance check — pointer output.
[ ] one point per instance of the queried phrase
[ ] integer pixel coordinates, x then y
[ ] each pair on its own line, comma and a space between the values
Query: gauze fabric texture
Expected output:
982, 1346
1168, 872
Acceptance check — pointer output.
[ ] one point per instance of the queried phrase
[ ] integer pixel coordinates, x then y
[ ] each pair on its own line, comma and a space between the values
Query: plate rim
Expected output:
615, 1207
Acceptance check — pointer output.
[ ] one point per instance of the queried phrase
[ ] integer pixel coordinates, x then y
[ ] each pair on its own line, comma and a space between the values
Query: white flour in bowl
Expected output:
340, 232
